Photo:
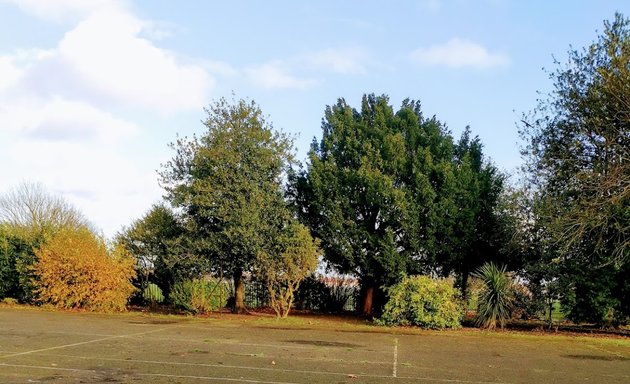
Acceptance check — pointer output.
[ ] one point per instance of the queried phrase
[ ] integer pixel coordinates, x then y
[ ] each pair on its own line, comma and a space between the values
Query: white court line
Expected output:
395, 357
247, 380
79, 343
214, 378
601, 349
244, 367
277, 370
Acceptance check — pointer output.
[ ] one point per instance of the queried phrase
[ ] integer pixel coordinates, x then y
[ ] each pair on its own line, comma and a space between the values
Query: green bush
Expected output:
16, 260
152, 294
199, 295
423, 302
494, 306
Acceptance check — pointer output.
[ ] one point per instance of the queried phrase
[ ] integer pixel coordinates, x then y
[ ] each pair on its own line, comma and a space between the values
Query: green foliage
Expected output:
578, 159
495, 300
469, 228
311, 293
156, 241
199, 295
389, 193
370, 189
153, 294
328, 294
16, 258
288, 258
423, 302
228, 183
596, 296
339, 293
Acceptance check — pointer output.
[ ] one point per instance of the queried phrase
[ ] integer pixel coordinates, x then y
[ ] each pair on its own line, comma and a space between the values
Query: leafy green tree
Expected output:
228, 183
289, 257
529, 248
470, 226
156, 241
578, 153
369, 190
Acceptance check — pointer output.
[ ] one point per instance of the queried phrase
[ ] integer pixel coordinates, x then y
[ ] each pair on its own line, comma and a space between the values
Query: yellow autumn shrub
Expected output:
74, 269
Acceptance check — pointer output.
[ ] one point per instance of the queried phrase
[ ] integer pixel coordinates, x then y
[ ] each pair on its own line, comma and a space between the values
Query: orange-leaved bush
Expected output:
74, 269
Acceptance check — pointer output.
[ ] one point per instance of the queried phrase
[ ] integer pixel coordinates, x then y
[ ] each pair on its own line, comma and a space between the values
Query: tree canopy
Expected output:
578, 159
228, 183
387, 193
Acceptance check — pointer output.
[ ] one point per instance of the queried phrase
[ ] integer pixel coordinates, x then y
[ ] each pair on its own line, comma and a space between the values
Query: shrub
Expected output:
198, 295
74, 269
495, 299
311, 293
16, 258
9, 301
152, 294
339, 292
424, 302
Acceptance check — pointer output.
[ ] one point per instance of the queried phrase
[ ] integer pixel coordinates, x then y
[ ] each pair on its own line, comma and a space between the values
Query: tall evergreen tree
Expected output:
470, 233
369, 190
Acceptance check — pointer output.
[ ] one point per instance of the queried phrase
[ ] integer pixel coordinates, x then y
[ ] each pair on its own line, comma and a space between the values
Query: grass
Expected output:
49, 346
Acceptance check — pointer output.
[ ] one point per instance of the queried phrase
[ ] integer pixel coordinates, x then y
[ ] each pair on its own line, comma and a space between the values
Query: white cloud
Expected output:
108, 65
61, 120
347, 61
62, 10
130, 69
274, 74
460, 53
9, 73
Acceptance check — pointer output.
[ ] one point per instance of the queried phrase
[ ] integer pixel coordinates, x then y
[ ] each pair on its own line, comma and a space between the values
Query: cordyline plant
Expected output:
495, 299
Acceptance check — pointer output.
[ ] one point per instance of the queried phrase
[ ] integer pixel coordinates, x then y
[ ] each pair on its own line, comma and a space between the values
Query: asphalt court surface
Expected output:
59, 347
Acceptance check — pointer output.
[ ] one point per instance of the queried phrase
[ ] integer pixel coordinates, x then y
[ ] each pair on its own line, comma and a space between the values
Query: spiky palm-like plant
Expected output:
495, 298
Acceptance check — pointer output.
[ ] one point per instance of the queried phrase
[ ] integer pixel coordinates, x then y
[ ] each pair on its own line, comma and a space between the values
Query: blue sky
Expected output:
91, 92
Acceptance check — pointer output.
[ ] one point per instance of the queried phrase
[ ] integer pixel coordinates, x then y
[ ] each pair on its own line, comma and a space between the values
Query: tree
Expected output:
578, 159
288, 258
228, 183
74, 269
31, 208
156, 240
469, 230
370, 189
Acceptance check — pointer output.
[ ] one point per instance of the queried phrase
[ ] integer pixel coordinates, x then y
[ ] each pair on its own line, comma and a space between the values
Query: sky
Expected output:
93, 91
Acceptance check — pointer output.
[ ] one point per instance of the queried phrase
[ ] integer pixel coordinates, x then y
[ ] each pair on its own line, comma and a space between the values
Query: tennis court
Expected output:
60, 347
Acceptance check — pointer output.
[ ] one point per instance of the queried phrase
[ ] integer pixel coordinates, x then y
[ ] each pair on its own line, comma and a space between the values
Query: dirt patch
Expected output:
322, 343
153, 322
597, 357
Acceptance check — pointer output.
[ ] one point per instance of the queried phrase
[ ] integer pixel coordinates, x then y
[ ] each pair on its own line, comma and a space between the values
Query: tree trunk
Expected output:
368, 296
239, 292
